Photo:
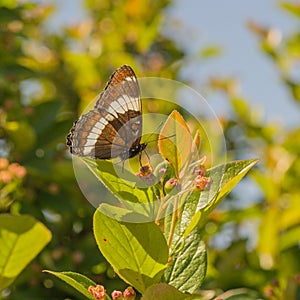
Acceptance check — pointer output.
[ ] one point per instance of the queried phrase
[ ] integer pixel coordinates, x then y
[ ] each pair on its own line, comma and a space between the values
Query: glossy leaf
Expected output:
196, 142
163, 291
77, 281
225, 178
21, 240
175, 141
128, 188
137, 251
187, 269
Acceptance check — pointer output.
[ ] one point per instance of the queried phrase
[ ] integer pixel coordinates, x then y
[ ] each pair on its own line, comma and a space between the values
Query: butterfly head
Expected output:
133, 151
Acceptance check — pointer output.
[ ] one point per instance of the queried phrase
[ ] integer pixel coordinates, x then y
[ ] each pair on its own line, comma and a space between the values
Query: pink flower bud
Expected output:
146, 174
171, 184
145, 171
200, 170
129, 294
5, 176
202, 183
97, 291
3, 163
117, 295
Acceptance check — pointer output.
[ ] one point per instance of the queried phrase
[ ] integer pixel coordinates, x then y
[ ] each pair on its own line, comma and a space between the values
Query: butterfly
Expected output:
113, 128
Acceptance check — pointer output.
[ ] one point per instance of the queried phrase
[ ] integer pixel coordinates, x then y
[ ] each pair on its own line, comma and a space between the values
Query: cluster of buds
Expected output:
10, 172
99, 292
201, 181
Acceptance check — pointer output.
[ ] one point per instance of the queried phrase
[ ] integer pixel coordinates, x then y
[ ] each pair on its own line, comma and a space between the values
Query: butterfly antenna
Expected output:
154, 132
163, 138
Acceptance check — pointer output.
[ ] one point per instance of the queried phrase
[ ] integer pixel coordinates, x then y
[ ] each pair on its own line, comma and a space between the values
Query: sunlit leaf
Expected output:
127, 187
175, 141
163, 291
196, 142
187, 269
238, 294
225, 177
77, 281
8, 3
210, 52
292, 8
21, 239
289, 239
137, 251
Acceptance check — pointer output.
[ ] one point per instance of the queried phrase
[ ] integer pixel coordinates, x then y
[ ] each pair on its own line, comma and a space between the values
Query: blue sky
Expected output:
223, 23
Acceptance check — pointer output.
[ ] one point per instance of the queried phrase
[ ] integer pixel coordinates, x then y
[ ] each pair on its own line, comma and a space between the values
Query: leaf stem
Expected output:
173, 222
161, 207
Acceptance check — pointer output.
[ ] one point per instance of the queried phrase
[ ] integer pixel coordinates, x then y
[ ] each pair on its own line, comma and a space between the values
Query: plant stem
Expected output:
173, 223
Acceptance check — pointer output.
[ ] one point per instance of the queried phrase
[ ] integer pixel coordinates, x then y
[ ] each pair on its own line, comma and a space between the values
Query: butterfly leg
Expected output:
140, 159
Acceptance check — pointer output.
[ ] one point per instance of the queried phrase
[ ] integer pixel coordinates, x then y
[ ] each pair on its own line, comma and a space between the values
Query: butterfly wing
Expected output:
114, 126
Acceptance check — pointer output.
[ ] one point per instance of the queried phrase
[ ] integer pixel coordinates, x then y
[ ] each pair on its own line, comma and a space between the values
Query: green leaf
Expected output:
187, 270
225, 178
196, 142
128, 188
8, 4
45, 115
75, 280
210, 52
148, 36
123, 215
19, 132
54, 134
292, 8
21, 239
289, 239
189, 213
241, 108
238, 294
163, 291
137, 251
175, 141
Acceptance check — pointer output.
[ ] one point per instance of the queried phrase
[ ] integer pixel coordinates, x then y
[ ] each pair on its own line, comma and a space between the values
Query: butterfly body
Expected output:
133, 151
113, 128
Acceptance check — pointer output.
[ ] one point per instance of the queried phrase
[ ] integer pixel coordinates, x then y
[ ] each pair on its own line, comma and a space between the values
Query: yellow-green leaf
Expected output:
77, 281
138, 252
175, 141
21, 239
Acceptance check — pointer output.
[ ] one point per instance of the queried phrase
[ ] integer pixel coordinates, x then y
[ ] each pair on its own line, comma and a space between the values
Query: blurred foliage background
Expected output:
47, 79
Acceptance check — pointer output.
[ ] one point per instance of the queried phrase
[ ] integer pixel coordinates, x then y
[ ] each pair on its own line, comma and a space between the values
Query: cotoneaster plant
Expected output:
162, 254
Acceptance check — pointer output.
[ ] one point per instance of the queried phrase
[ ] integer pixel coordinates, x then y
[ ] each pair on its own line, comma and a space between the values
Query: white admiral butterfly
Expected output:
113, 128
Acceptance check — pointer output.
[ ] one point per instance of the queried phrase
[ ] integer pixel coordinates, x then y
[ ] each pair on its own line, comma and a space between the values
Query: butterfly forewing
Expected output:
114, 126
